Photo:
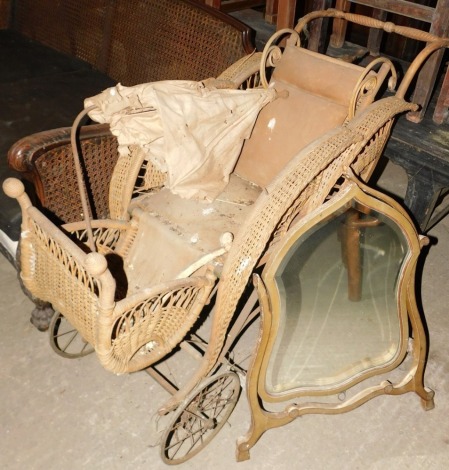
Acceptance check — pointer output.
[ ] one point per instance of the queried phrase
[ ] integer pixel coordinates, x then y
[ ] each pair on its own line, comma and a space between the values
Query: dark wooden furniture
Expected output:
442, 107
422, 149
279, 12
234, 5
437, 18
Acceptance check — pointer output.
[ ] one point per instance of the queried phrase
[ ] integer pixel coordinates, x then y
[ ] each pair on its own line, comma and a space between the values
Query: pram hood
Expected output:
191, 131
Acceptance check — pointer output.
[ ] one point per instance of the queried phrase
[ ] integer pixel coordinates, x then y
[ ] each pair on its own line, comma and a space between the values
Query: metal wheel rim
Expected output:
200, 418
63, 336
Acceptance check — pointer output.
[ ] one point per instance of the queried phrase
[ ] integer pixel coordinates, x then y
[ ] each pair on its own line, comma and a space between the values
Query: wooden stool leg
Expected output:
318, 28
427, 77
424, 86
375, 35
352, 259
339, 29
441, 109
271, 11
286, 14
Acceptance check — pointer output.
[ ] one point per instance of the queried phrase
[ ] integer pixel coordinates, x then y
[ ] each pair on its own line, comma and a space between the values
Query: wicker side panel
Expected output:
169, 39
51, 274
145, 331
132, 175
75, 27
57, 172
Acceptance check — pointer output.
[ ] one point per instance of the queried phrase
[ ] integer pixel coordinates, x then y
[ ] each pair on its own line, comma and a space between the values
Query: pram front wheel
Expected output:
65, 340
200, 418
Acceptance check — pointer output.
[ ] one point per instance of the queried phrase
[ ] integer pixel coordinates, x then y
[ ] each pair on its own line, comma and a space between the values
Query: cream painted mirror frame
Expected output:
260, 399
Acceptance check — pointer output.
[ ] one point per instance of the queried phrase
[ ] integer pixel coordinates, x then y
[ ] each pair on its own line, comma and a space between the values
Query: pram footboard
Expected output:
146, 326
109, 235
53, 269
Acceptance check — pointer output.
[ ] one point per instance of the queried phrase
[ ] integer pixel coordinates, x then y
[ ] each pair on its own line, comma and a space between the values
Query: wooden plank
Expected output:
271, 11
375, 35
286, 14
441, 108
233, 5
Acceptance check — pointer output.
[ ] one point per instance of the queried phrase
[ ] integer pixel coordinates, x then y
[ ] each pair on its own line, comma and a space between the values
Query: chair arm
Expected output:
109, 235
46, 160
244, 73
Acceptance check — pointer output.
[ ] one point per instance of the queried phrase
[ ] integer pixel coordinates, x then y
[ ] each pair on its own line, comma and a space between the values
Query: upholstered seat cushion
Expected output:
317, 94
175, 232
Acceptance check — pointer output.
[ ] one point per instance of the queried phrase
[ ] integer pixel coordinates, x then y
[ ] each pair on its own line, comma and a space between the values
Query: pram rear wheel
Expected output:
65, 340
200, 418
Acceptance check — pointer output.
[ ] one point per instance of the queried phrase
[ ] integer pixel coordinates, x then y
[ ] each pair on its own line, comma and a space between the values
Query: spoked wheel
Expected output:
199, 419
65, 340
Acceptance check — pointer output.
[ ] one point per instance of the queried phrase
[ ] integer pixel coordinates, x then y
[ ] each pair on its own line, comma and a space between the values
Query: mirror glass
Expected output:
337, 301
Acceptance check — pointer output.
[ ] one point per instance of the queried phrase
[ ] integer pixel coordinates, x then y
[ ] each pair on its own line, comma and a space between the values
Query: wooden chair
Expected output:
437, 18
418, 149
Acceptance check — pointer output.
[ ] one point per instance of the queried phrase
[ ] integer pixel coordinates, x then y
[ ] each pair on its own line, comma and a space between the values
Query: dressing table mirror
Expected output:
339, 321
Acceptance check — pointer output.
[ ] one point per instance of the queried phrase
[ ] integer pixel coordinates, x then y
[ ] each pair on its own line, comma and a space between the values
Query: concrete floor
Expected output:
57, 413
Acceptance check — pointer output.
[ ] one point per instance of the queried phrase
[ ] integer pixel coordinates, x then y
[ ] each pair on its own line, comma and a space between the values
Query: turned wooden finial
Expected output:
96, 264
13, 187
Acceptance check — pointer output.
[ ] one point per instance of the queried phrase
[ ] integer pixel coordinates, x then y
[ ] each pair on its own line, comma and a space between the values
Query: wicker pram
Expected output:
133, 323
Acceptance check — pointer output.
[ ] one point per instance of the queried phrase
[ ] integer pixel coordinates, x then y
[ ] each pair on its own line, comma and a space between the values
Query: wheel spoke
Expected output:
181, 440
75, 334
66, 340
65, 333
198, 421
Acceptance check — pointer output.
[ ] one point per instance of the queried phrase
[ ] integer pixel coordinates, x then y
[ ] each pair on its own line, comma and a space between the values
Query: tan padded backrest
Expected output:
319, 92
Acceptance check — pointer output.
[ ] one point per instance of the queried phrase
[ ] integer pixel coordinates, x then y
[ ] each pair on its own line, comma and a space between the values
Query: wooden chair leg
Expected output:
427, 77
350, 239
350, 245
339, 28
286, 14
375, 35
318, 28
442, 107
271, 11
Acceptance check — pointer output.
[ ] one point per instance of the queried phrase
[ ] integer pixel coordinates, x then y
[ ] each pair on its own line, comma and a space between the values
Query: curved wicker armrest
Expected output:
46, 160
109, 235
144, 327
244, 73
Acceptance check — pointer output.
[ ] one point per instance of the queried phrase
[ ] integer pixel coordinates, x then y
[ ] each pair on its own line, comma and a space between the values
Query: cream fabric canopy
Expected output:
191, 131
